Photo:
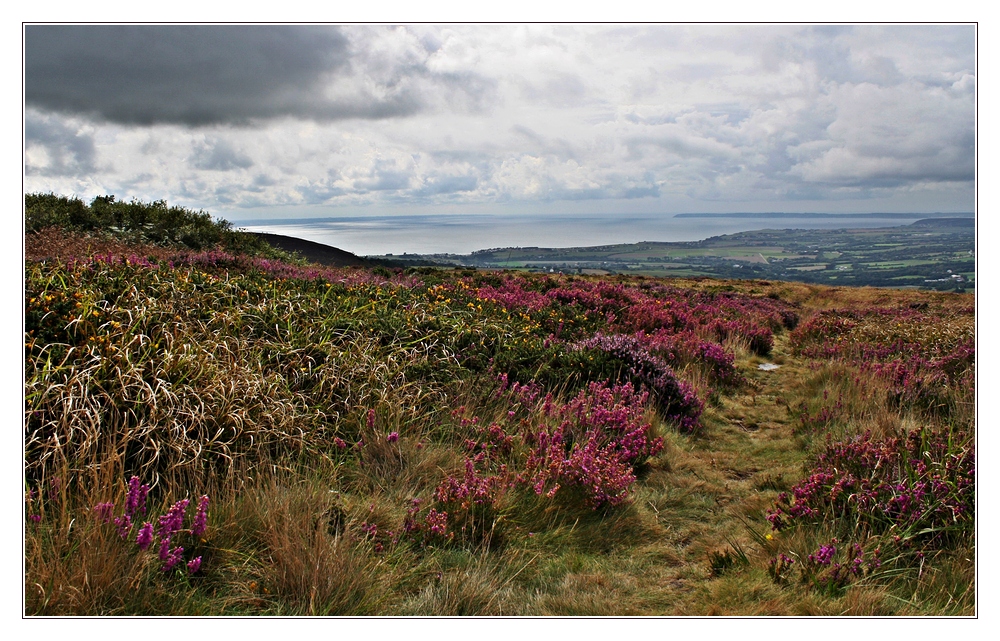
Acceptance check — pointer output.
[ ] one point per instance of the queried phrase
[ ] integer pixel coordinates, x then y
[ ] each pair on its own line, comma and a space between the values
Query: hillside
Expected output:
216, 432
313, 252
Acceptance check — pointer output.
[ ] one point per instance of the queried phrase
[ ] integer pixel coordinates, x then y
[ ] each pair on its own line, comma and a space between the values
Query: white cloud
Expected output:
652, 117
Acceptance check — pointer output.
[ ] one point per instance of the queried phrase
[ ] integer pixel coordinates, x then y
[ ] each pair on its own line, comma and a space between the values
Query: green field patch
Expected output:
899, 264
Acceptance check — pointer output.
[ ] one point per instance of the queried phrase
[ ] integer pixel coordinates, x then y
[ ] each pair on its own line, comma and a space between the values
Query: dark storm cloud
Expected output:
67, 151
198, 75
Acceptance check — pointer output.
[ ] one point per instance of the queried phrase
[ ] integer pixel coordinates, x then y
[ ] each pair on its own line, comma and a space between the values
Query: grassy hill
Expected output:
211, 431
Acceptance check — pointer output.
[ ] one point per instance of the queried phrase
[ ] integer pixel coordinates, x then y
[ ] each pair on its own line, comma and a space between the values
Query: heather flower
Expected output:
779, 566
194, 565
35, 517
200, 517
173, 520
437, 522
165, 549
145, 536
135, 501
923, 483
124, 525
824, 555
392, 437
675, 398
173, 558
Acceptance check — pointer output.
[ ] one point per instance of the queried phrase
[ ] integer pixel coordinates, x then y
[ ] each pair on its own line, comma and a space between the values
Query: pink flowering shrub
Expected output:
581, 453
688, 347
922, 486
923, 359
511, 295
675, 398
574, 331
628, 309
593, 443
829, 569
759, 339
215, 259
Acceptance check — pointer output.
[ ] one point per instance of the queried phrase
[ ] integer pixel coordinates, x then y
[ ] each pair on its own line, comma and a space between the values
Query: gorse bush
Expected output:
154, 223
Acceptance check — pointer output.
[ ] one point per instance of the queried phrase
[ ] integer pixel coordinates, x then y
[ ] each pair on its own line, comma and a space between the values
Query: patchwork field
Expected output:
934, 254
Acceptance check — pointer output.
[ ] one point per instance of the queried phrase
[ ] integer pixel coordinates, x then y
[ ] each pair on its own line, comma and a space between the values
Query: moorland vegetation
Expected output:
214, 428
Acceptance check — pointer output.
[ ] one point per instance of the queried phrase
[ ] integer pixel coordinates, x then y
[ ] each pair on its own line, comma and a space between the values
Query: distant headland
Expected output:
828, 215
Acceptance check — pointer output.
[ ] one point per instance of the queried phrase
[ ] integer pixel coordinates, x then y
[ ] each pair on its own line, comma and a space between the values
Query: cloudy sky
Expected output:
273, 121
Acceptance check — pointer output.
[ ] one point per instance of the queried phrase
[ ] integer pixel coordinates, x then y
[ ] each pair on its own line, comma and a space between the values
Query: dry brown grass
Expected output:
75, 564
313, 561
475, 590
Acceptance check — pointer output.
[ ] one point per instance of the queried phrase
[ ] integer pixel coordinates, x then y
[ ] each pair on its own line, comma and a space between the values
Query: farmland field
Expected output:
933, 253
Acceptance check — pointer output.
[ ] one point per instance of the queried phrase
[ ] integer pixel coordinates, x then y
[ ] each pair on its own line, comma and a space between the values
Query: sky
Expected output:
298, 121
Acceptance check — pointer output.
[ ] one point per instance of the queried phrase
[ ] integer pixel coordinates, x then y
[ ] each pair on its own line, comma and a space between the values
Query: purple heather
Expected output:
145, 536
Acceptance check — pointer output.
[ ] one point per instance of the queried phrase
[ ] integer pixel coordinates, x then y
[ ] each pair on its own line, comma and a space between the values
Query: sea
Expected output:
428, 234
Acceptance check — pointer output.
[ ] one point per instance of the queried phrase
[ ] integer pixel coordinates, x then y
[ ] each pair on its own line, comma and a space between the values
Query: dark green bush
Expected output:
154, 223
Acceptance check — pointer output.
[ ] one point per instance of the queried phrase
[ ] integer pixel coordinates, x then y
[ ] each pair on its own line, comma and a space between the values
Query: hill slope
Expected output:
312, 251
213, 433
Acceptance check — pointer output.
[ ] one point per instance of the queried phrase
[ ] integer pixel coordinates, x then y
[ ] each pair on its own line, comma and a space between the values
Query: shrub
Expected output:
154, 223
675, 399
578, 454
921, 486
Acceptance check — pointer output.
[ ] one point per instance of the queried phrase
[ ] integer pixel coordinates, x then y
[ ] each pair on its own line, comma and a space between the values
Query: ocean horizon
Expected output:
466, 233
